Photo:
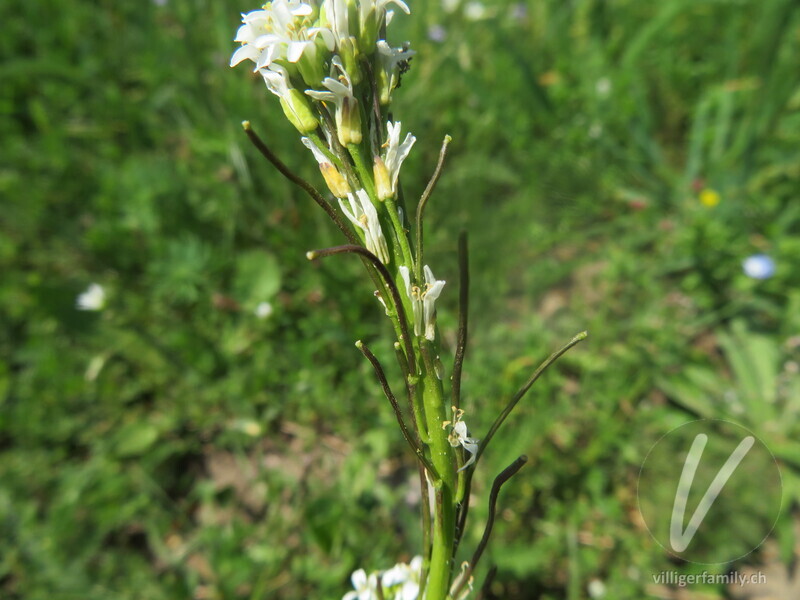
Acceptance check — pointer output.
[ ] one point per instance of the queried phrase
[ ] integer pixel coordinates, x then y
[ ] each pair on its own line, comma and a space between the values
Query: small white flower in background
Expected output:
459, 436
366, 588
759, 266
475, 11
437, 33
423, 301
387, 166
263, 310
450, 5
94, 298
603, 86
359, 209
596, 589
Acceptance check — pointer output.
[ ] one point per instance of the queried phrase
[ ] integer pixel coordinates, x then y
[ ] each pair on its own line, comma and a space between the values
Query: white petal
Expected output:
327, 36
340, 90
247, 52
245, 33
318, 154
404, 274
321, 96
359, 578
350, 210
296, 49
403, 6
302, 11
256, 15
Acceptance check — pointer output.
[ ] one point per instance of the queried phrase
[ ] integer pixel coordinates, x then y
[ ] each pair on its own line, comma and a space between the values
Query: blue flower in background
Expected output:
759, 266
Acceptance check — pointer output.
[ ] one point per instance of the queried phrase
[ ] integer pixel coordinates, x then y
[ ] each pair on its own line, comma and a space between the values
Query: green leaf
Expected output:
135, 438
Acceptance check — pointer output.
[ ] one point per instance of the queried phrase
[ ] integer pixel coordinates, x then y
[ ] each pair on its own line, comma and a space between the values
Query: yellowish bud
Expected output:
348, 122
337, 184
383, 182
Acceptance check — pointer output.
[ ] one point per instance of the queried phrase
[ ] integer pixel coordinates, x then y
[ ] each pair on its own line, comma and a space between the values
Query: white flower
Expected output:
339, 17
393, 156
404, 578
391, 59
94, 298
295, 105
365, 587
319, 155
423, 301
337, 184
361, 212
459, 436
280, 30
759, 266
263, 310
277, 80
450, 5
372, 14
433, 287
475, 11
340, 92
596, 588
603, 86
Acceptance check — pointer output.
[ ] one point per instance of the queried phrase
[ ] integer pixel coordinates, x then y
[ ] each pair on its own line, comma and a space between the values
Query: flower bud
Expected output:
297, 110
348, 51
383, 181
348, 122
337, 184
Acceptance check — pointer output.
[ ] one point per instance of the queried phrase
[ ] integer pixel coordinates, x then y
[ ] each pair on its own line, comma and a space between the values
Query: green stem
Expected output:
364, 174
444, 461
400, 233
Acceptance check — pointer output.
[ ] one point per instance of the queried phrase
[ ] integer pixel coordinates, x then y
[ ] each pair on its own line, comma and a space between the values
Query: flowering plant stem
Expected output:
334, 76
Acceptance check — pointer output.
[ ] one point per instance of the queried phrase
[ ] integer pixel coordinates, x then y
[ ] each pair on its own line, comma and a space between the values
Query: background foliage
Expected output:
175, 445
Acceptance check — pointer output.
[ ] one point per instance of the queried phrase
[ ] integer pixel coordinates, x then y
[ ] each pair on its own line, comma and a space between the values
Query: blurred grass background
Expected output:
176, 445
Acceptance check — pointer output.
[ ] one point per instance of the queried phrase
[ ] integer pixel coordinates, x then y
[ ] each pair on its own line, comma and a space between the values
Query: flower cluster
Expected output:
326, 51
401, 582
327, 62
